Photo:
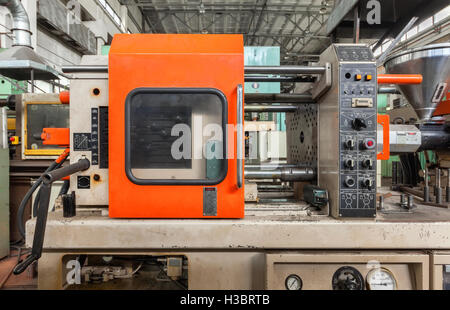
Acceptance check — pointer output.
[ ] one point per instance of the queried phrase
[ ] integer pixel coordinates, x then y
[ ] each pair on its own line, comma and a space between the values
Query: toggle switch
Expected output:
349, 144
367, 163
349, 163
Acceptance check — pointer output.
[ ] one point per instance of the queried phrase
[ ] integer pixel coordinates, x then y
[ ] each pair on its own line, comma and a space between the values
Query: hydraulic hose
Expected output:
56, 164
44, 199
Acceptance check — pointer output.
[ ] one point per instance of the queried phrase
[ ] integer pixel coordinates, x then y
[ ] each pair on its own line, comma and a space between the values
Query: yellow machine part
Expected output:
11, 124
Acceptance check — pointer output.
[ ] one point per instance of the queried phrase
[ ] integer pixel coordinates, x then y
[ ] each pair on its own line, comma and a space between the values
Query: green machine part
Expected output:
264, 56
105, 49
213, 163
10, 87
382, 100
4, 202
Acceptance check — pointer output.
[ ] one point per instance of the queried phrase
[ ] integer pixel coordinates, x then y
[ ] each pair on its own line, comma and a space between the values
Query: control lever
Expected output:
44, 200
358, 124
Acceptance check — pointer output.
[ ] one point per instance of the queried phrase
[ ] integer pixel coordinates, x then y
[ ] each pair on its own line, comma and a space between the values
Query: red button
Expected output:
370, 143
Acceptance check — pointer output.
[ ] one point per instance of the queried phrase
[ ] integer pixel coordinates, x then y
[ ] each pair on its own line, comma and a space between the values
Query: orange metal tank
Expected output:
155, 81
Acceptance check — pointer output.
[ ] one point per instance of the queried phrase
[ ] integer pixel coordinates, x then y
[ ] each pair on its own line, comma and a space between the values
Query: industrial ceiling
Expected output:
302, 28
297, 26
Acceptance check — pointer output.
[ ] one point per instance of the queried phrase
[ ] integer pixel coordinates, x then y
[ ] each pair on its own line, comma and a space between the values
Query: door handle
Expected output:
239, 142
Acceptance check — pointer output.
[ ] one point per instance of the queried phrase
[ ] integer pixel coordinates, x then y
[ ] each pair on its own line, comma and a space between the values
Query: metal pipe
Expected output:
288, 79
447, 188
399, 78
247, 70
284, 69
284, 174
269, 166
279, 98
438, 189
397, 39
388, 90
356, 23
85, 69
270, 108
426, 189
21, 24
435, 137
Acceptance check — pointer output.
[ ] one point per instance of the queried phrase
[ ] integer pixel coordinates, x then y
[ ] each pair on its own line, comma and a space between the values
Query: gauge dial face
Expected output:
381, 279
293, 283
347, 278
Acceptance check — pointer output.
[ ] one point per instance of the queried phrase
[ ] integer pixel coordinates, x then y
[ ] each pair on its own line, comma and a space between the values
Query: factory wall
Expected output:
55, 50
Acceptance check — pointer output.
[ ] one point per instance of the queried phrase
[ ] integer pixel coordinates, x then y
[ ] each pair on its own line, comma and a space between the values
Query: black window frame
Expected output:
175, 90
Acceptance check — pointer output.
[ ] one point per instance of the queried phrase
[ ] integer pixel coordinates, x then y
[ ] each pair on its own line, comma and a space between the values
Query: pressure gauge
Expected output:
347, 278
293, 283
381, 279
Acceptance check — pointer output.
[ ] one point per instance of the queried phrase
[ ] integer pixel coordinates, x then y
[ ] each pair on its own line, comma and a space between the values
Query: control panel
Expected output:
357, 134
89, 139
347, 131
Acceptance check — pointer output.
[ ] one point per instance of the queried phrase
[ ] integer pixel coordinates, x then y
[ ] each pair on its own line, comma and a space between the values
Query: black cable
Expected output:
41, 218
64, 188
29, 194
27, 197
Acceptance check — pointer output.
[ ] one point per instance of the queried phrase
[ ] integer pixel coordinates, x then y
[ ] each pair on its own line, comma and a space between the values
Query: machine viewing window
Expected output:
39, 116
176, 136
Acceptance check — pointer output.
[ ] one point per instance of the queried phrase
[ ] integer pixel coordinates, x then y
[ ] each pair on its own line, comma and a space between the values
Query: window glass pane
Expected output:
425, 24
176, 136
442, 14
411, 33
40, 116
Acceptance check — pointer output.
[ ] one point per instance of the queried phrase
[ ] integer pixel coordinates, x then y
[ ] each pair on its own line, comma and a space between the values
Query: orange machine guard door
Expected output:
383, 120
155, 81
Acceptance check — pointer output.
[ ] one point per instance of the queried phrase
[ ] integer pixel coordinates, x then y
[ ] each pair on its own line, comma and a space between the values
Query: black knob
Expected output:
358, 124
367, 183
349, 144
349, 163
367, 163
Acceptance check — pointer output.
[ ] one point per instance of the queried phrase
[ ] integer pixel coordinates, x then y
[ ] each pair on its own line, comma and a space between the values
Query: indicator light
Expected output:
358, 77
369, 77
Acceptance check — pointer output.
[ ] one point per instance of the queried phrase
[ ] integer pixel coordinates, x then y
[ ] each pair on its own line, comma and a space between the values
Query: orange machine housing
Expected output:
444, 107
172, 61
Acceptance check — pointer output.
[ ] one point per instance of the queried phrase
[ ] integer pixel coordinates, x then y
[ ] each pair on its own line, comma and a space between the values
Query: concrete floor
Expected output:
25, 281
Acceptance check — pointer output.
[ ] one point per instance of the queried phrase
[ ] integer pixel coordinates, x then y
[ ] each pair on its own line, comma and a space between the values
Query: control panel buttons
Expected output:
367, 163
358, 77
367, 183
368, 144
349, 181
349, 144
358, 124
349, 163
369, 77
